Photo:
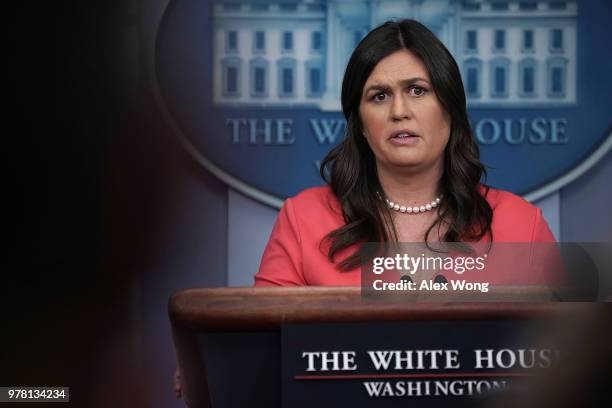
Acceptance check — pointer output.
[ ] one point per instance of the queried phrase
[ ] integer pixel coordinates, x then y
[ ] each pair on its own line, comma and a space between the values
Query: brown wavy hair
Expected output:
350, 167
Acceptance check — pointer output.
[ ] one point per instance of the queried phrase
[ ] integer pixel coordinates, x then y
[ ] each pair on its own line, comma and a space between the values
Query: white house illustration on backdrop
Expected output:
293, 53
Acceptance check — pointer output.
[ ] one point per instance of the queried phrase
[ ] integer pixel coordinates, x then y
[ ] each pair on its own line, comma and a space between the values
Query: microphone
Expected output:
405, 278
440, 279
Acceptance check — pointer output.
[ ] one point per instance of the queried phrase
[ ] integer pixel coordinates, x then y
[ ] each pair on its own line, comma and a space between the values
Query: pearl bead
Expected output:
411, 210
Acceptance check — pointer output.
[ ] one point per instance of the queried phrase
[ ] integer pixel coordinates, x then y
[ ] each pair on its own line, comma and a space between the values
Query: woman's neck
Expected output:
409, 188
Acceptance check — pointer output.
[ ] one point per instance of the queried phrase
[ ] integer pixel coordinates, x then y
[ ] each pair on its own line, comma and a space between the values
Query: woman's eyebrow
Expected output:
411, 81
403, 82
377, 87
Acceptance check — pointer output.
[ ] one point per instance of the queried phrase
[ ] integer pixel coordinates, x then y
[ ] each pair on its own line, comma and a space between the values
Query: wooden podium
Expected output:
214, 329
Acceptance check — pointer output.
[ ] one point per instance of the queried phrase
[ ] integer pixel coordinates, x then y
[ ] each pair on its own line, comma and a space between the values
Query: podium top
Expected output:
267, 308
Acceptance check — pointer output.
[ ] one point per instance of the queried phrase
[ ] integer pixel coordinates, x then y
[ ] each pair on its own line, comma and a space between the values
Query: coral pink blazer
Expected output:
293, 257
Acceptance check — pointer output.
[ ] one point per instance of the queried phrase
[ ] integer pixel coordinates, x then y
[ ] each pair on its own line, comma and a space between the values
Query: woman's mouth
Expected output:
404, 137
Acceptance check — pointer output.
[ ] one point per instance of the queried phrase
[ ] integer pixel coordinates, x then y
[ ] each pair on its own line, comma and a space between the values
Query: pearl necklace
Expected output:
413, 210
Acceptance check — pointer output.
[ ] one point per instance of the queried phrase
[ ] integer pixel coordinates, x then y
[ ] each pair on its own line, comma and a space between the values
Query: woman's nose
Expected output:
401, 108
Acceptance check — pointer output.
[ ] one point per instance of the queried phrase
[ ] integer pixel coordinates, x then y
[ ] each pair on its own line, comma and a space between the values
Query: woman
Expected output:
408, 169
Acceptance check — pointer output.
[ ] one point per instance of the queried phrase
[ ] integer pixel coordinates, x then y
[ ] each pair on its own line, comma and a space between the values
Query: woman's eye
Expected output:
418, 91
378, 98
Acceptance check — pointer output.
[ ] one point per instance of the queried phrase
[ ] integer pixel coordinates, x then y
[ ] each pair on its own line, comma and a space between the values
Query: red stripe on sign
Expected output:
441, 375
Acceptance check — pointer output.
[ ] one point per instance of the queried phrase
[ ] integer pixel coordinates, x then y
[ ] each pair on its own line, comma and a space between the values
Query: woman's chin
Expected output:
407, 164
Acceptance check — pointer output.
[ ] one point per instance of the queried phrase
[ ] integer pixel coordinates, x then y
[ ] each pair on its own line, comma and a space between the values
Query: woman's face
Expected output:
402, 118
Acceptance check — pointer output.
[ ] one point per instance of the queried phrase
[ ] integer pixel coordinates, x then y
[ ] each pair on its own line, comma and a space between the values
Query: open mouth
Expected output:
403, 134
